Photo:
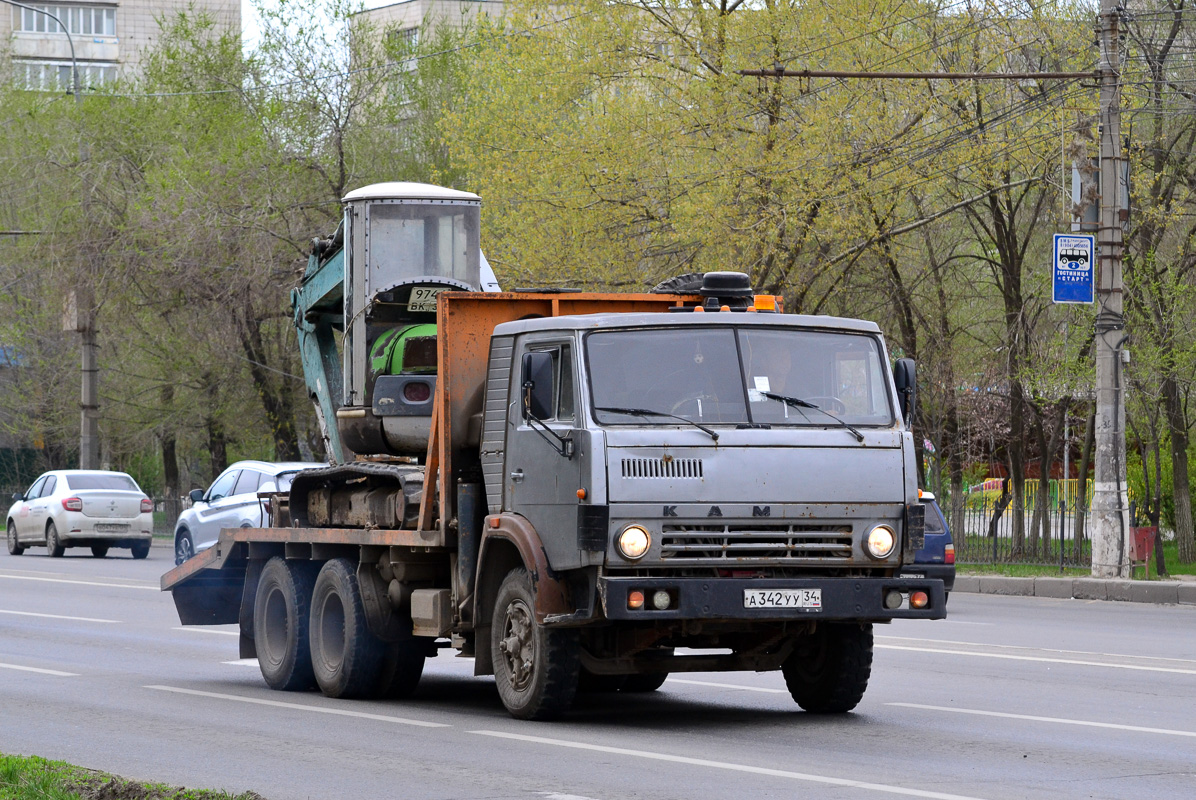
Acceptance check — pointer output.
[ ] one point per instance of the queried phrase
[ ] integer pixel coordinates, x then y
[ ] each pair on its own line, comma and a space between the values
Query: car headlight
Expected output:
881, 541
633, 542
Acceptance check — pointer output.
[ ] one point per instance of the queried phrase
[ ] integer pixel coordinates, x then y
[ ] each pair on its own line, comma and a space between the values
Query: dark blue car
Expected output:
936, 559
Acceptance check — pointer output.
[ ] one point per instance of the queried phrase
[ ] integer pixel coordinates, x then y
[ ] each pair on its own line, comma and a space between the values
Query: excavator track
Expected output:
358, 495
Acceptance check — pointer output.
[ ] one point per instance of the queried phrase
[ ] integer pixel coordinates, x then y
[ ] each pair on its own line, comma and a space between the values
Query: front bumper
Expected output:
723, 598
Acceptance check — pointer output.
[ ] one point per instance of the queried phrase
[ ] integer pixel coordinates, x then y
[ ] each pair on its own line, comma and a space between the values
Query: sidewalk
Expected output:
1182, 592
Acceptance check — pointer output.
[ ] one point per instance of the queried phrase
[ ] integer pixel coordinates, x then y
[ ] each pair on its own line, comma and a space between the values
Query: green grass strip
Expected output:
34, 778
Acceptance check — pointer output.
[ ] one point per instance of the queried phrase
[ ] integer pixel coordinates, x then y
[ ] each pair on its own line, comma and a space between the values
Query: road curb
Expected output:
1158, 592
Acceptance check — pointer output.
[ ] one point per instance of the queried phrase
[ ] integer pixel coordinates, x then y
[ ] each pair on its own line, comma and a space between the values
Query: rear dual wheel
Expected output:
346, 657
310, 630
280, 624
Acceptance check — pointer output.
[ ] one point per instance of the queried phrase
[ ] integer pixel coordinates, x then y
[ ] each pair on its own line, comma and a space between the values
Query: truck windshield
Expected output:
415, 240
734, 376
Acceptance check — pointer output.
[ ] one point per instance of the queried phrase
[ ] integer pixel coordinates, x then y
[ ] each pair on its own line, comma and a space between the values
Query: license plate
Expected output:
782, 598
109, 527
423, 298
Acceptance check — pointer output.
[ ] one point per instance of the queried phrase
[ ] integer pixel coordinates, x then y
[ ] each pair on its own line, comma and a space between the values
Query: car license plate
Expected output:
110, 527
782, 598
423, 298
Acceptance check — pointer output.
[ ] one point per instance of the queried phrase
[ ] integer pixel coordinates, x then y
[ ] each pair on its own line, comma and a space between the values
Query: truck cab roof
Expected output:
587, 322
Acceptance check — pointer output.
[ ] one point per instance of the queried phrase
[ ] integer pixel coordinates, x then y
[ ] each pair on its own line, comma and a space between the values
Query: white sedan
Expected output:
81, 508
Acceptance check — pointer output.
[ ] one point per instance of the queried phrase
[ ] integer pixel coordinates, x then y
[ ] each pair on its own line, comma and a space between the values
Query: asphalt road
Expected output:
1011, 697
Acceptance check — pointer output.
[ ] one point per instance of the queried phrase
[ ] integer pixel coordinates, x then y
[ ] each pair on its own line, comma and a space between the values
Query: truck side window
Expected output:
562, 381
564, 408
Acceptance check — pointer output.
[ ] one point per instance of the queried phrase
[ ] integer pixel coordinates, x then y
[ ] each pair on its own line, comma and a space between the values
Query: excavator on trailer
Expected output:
581, 491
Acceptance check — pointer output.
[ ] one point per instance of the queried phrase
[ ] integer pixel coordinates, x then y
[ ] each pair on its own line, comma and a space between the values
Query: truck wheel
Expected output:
15, 548
402, 667
53, 544
828, 671
345, 656
688, 283
647, 682
535, 668
280, 620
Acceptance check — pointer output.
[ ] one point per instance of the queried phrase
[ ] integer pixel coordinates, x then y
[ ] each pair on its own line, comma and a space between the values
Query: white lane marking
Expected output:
56, 616
340, 712
79, 583
1010, 657
725, 765
192, 629
559, 796
1057, 720
1038, 649
728, 686
242, 662
40, 671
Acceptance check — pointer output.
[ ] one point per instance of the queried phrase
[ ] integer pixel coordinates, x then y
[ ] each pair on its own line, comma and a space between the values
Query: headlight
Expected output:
881, 541
633, 542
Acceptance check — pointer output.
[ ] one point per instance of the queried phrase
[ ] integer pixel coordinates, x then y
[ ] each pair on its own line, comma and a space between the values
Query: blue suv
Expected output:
936, 559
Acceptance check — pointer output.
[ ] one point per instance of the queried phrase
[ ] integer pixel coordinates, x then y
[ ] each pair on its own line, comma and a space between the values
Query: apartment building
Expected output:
403, 20
108, 37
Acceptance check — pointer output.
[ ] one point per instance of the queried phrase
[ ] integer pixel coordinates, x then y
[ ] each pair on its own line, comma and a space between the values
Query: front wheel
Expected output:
184, 546
280, 620
15, 548
828, 671
535, 668
99, 550
54, 544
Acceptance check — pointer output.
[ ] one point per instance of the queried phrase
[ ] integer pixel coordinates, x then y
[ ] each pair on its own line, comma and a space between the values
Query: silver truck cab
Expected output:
709, 465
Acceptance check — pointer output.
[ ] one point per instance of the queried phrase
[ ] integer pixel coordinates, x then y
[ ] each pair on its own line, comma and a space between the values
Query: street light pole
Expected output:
89, 440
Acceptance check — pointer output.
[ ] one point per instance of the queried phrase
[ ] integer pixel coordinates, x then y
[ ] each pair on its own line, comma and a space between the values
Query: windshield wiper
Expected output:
647, 412
797, 402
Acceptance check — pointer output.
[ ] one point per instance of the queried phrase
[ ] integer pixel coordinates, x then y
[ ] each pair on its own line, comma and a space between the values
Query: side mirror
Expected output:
17, 497
537, 385
905, 375
196, 495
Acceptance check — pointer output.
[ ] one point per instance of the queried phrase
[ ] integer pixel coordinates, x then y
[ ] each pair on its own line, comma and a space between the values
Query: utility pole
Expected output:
1110, 506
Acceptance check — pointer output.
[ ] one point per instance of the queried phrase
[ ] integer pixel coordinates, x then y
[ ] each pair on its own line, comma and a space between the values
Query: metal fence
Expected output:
1051, 533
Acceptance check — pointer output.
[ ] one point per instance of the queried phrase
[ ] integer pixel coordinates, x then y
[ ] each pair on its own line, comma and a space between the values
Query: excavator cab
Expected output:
376, 281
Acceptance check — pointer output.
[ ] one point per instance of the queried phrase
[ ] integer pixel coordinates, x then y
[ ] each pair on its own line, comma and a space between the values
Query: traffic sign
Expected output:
1074, 268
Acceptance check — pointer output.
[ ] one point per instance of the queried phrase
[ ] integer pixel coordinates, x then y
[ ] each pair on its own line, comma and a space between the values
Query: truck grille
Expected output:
733, 544
662, 468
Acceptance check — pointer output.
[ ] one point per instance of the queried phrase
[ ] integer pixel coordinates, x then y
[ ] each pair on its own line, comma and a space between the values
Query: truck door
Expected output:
541, 482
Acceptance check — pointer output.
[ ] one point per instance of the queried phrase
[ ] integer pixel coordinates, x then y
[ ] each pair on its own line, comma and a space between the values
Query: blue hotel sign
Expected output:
1074, 268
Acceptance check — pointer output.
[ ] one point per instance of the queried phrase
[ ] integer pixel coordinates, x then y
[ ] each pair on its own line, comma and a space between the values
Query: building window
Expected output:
83, 20
403, 40
56, 75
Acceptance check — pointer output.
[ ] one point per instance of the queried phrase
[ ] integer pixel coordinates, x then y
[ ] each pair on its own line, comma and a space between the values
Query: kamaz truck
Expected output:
580, 491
